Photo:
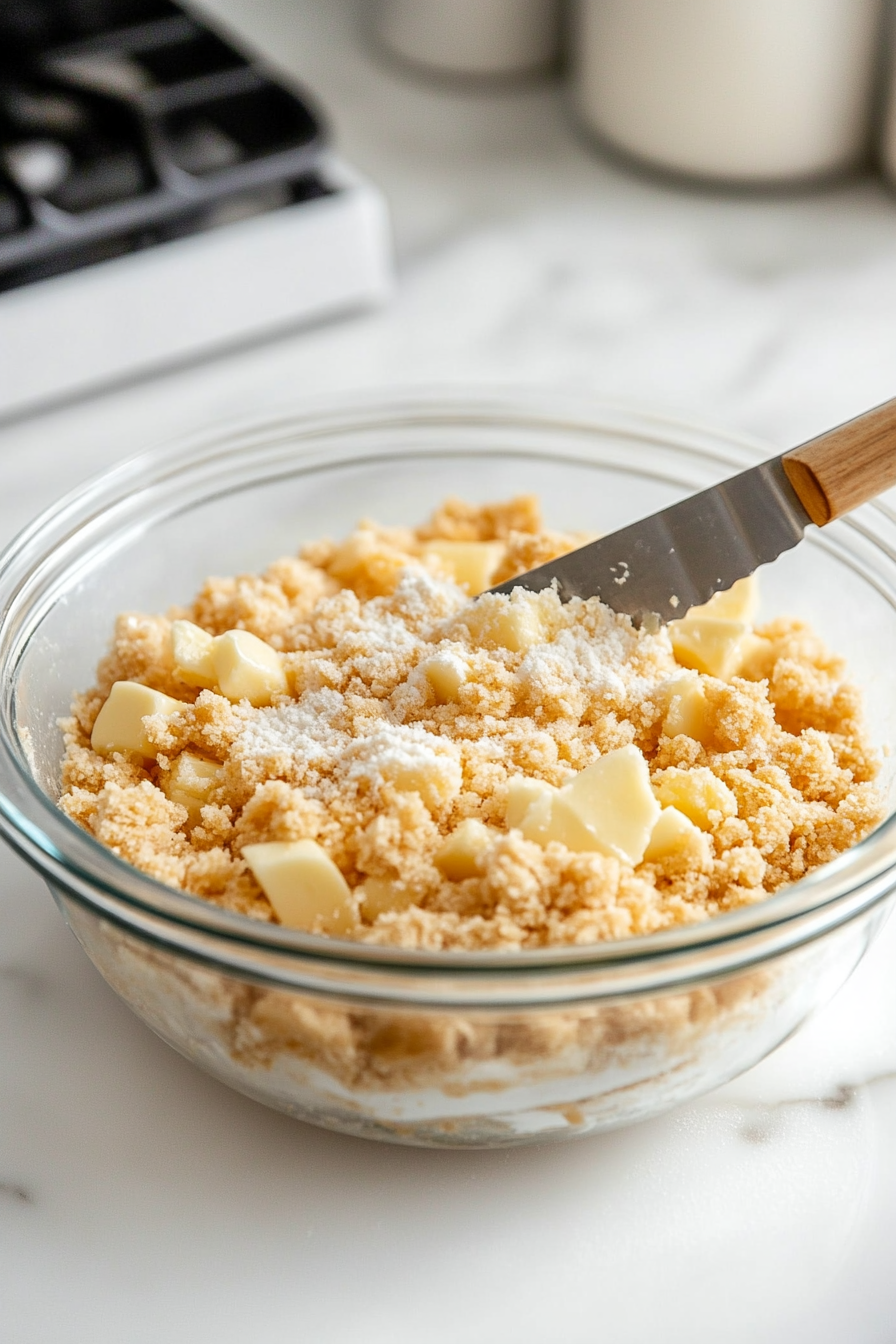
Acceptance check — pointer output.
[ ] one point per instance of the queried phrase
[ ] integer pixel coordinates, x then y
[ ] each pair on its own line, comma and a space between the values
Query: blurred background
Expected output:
682, 202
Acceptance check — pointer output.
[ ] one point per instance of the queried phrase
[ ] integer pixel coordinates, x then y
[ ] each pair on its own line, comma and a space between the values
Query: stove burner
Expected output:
126, 123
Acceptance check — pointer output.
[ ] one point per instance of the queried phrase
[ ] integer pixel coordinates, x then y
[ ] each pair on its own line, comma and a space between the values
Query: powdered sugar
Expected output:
297, 742
408, 756
358, 736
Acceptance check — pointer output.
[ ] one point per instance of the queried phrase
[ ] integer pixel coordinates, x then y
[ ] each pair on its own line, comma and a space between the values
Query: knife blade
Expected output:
679, 557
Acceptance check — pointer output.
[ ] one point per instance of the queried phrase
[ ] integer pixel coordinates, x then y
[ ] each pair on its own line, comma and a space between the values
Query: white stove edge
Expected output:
153, 309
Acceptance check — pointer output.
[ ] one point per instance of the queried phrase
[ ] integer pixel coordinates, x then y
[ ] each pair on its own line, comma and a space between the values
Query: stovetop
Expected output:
128, 123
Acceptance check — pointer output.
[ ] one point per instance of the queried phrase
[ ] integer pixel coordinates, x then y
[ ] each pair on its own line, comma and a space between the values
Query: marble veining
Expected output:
20, 1194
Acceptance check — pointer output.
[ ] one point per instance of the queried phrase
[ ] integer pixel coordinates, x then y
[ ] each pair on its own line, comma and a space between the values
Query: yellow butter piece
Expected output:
521, 793
379, 896
302, 883
550, 817
247, 668
674, 833
437, 779
518, 628
471, 564
698, 793
510, 625
446, 674
709, 645
190, 782
191, 648
613, 798
608, 808
367, 559
757, 657
461, 854
119, 724
740, 602
687, 711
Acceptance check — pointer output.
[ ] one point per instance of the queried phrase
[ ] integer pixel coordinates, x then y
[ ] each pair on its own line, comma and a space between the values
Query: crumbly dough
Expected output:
356, 621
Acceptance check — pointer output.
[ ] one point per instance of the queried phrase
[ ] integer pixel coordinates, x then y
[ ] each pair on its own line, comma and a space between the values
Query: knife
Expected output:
679, 557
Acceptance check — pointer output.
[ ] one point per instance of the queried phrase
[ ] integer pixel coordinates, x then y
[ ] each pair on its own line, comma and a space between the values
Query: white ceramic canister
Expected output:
887, 145
472, 37
740, 90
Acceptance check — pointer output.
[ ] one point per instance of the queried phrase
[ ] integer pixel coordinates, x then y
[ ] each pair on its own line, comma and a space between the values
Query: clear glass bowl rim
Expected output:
225, 457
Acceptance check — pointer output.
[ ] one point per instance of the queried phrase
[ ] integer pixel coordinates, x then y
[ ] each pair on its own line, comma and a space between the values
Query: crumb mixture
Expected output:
407, 712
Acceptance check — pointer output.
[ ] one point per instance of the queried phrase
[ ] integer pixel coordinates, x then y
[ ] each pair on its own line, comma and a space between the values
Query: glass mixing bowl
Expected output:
413, 1047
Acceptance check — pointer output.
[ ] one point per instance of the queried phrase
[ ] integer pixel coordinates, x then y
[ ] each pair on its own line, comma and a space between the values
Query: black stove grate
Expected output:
127, 123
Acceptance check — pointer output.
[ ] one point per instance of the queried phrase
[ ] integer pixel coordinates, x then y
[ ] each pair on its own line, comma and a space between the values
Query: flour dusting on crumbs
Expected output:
357, 743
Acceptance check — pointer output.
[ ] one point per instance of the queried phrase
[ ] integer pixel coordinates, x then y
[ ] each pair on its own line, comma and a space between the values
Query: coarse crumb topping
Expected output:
406, 715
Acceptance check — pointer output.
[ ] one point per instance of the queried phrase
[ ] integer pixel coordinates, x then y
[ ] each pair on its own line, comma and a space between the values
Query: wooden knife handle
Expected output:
847, 466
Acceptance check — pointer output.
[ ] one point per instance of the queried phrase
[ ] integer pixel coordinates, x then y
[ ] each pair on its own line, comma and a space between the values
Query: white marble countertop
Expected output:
142, 1202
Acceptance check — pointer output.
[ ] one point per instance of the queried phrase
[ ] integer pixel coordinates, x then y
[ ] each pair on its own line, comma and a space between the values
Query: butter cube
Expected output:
551, 818
687, 710
471, 564
740, 602
613, 798
367, 561
519, 627
674, 833
757, 657
238, 664
609, 808
709, 645
302, 883
461, 854
521, 793
248, 669
513, 625
119, 724
190, 782
446, 674
379, 896
436, 778
191, 647
698, 793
